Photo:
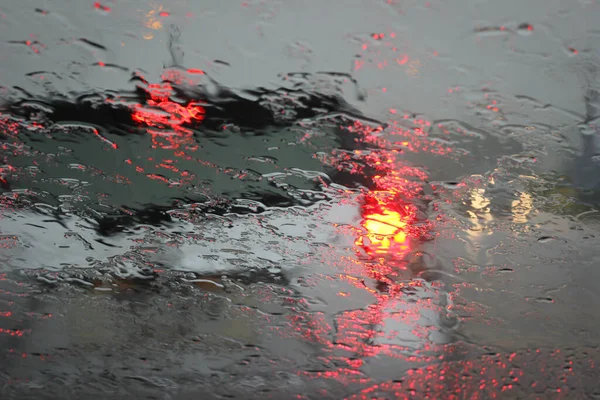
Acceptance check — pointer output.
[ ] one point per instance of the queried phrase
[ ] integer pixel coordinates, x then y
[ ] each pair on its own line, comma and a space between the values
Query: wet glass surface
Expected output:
312, 200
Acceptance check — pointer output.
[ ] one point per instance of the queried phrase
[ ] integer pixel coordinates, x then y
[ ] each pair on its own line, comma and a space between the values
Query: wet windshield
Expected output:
268, 199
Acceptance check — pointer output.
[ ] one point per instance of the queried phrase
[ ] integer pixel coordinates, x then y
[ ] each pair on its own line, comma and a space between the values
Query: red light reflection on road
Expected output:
388, 234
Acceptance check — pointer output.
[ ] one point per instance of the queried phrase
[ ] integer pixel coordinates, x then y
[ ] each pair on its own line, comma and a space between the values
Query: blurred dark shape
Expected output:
259, 111
587, 165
